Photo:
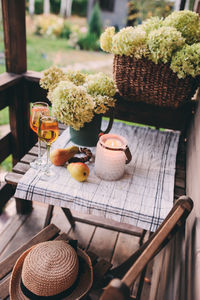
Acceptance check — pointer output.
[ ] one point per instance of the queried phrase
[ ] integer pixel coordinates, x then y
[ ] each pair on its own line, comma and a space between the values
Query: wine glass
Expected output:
38, 109
48, 133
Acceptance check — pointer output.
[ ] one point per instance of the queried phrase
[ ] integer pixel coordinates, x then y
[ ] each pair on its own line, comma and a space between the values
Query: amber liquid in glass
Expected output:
35, 115
48, 131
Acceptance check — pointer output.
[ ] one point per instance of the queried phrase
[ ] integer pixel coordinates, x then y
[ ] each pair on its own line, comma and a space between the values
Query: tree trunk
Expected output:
66, 8
63, 8
31, 7
69, 8
46, 7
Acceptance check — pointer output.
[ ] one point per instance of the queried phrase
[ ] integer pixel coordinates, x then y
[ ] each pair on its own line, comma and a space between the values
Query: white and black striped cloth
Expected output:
143, 197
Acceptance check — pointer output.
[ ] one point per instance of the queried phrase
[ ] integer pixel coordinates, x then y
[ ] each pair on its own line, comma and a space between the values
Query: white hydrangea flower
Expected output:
106, 39
72, 105
129, 40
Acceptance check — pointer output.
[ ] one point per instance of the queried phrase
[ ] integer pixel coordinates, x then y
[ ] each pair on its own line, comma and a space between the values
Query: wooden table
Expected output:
24, 206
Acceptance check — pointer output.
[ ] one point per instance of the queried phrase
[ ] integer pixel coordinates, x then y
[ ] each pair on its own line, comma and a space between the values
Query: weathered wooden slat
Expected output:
32, 76
4, 288
83, 233
180, 182
147, 281
62, 236
103, 243
6, 192
60, 220
11, 231
9, 79
125, 246
107, 223
34, 151
27, 158
5, 146
21, 168
44, 235
13, 178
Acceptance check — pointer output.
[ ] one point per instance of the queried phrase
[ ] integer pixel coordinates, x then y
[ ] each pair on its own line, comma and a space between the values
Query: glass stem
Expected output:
48, 154
39, 149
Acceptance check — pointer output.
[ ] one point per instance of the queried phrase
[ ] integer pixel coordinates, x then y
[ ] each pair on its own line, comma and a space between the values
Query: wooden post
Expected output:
15, 56
14, 35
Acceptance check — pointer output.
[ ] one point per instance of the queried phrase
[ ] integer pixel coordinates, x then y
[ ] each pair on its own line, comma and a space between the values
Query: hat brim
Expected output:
84, 285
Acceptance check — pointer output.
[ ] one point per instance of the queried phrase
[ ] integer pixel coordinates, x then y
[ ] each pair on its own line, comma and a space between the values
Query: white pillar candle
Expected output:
110, 157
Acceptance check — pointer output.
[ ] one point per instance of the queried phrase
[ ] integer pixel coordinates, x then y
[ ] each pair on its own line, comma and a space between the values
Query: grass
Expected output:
41, 52
4, 116
6, 165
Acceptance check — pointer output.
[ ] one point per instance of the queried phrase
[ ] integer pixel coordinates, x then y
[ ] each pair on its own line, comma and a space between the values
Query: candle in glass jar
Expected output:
113, 143
110, 157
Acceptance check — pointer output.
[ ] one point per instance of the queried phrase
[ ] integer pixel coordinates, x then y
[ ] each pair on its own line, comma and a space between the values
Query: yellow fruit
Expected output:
60, 156
78, 171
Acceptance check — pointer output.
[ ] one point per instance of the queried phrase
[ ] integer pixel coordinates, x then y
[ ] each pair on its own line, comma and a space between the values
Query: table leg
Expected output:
48, 215
69, 216
23, 206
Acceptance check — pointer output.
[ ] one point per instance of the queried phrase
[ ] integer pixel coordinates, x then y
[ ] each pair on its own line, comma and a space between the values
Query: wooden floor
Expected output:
113, 246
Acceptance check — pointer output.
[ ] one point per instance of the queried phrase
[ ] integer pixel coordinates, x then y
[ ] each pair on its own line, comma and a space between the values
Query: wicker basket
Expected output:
142, 80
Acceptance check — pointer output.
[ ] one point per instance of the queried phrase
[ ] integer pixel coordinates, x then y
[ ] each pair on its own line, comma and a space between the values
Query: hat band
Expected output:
59, 296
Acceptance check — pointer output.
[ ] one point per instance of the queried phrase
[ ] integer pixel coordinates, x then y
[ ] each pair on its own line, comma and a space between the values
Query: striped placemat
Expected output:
143, 197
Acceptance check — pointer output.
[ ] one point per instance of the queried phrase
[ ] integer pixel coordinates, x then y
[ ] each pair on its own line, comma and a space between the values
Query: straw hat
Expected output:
53, 270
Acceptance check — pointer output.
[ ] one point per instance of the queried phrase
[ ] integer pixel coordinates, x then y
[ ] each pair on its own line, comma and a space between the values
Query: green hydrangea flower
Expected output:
163, 42
76, 77
187, 22
106, 39
72, 105
51, 77
79, 96
102, 89
187, 61
151, 24
130, 41
100, 84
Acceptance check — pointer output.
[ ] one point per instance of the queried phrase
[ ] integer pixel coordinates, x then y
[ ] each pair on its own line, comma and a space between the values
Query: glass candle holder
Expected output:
112, 154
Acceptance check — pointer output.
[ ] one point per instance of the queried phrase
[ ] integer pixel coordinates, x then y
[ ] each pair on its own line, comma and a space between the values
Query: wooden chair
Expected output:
119, 287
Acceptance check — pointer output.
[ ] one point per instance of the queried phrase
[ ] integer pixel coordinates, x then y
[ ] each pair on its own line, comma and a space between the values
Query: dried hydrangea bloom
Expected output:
102, 103
106, 39
76, 77
128, 41
72, 105
163, 42
187, 22
100, 84
51, 77
151, 24
187, 61
102, 89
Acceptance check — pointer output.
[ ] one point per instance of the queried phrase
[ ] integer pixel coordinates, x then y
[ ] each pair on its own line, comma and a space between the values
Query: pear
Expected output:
59, 157
78, 171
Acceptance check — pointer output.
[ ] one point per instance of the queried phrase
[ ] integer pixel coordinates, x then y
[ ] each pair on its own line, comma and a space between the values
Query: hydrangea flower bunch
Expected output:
76, 97
159, 40
163, 42
187, 22
186, 61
